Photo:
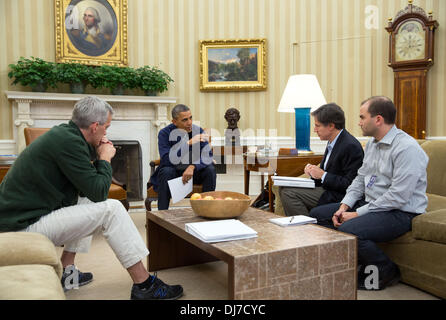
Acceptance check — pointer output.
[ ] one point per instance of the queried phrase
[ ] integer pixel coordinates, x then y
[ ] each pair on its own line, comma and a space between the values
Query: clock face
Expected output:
410, 42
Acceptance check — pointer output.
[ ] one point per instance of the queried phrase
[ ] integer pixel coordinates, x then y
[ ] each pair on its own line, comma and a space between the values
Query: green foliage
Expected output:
73, 73
31, 72
113, 76
151, 79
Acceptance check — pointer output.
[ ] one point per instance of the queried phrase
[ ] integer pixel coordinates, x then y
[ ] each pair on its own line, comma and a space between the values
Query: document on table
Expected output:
220, 230
293, 220
178, 190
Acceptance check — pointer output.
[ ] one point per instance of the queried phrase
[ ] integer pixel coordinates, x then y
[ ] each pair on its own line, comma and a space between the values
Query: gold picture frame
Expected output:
92, 32
233, 65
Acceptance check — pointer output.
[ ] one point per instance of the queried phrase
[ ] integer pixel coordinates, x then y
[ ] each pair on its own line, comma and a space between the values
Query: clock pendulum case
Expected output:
411, 54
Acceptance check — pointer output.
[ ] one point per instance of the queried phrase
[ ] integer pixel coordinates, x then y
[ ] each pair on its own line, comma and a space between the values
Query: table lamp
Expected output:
301, 96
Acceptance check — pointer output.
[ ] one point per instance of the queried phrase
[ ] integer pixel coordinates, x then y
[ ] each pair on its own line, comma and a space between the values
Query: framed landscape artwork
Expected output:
233, 65
92, 32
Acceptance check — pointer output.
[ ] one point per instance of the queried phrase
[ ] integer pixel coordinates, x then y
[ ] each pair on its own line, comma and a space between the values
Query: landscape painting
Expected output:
233, 65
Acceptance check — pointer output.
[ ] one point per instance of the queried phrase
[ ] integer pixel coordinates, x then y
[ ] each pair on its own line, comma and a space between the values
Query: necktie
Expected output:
327, 155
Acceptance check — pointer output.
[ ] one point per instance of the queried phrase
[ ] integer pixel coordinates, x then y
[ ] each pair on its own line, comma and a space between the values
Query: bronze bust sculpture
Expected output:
232, 133
232, 116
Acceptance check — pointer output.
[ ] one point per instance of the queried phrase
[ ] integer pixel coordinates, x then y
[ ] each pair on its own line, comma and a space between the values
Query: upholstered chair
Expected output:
117, 190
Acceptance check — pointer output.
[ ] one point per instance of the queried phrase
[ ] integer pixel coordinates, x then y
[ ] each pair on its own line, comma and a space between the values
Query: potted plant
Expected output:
34, 72
152, 80
75, 74
115, 78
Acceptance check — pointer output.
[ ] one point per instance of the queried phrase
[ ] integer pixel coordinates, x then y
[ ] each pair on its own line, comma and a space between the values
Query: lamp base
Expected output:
303, 130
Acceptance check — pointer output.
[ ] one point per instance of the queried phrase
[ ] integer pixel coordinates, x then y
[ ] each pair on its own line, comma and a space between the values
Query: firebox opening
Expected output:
127, 167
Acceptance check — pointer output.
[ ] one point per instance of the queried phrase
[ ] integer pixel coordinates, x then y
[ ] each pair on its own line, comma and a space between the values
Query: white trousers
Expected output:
74, 227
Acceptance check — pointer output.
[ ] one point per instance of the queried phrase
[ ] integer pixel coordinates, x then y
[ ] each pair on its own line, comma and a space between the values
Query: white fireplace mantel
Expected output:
31, 106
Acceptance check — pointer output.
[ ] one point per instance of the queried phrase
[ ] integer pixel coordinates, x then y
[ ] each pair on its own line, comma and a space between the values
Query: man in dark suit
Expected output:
342, 159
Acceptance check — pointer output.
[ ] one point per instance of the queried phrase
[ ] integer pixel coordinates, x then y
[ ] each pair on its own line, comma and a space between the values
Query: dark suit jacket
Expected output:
342, 167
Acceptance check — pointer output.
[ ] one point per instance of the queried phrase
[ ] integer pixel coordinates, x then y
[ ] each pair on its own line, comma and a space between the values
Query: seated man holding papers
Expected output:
342, 159
185, 152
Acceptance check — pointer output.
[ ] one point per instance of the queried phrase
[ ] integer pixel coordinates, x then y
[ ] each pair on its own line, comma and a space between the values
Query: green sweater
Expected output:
50, 174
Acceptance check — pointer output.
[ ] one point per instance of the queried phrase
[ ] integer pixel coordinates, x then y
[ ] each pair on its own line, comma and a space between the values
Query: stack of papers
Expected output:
220, 230
293, 220
293, 182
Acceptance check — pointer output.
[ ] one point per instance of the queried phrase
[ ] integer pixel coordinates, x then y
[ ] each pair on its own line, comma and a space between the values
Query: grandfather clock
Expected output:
411, 55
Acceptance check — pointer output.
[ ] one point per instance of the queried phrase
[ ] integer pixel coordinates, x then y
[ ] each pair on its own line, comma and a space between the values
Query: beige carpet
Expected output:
201, 282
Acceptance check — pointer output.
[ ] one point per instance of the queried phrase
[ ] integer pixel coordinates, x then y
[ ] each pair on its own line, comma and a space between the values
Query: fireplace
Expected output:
136, 118
127, 167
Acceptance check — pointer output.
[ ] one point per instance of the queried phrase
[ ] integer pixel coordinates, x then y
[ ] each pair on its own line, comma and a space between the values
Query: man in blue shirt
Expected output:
185, 152
338, 168
388, 192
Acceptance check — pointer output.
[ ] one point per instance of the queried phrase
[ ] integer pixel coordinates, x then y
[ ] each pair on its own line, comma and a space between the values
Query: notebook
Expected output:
293, 182
220, 230
293, 220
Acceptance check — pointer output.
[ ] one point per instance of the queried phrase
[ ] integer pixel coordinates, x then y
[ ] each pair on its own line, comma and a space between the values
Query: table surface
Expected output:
296, 262
271, 237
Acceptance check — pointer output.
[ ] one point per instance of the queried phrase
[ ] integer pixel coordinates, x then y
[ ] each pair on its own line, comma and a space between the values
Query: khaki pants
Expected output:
297, 201
74, 227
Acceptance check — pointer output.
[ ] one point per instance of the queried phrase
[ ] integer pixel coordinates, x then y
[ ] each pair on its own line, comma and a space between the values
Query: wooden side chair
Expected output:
117, 190
152, 195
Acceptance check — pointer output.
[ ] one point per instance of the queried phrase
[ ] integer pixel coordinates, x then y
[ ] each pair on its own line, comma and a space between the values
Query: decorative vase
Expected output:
40, 86
78, 87
118, 90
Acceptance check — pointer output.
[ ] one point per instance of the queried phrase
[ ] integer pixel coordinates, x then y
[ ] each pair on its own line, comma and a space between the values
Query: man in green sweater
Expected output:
58, 186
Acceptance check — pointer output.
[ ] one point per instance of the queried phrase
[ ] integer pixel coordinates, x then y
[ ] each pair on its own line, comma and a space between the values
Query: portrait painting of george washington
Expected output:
91, 26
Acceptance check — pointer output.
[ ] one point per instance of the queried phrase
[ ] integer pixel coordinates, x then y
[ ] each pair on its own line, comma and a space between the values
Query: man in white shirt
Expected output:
388, 192
342, 159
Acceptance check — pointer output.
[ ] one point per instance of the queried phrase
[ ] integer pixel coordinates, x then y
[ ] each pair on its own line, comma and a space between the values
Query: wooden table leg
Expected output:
246, 174
262, 181
168, 250
270, 194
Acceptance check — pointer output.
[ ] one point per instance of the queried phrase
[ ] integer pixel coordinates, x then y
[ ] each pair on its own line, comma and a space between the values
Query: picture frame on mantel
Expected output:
92, 32
233, 65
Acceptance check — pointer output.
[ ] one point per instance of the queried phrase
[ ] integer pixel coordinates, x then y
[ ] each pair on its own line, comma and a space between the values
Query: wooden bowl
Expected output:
221, 209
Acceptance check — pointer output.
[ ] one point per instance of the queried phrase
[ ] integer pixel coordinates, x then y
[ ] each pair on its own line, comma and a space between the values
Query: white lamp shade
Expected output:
302, 91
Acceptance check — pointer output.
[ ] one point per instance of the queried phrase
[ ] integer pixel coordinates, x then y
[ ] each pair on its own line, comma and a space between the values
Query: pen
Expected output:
292, 218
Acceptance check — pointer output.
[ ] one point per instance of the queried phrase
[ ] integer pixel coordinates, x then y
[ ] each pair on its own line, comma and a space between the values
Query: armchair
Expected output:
117, 189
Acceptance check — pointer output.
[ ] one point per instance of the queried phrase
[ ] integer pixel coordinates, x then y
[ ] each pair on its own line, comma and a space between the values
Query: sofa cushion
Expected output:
28, 248
30, 282
430, 226
436, 175
435, 202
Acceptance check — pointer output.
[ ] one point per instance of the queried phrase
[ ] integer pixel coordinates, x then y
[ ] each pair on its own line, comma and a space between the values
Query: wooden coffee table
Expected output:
298, 262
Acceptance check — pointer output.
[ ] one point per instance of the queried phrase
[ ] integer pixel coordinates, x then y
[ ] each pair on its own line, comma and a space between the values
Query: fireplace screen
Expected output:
127, 167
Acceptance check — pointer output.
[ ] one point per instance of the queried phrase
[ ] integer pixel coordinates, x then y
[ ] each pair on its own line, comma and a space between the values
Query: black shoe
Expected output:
388, 279
72, 278
158, 290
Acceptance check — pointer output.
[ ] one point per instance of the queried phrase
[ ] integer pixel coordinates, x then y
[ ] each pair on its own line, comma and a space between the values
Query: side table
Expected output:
282, 165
